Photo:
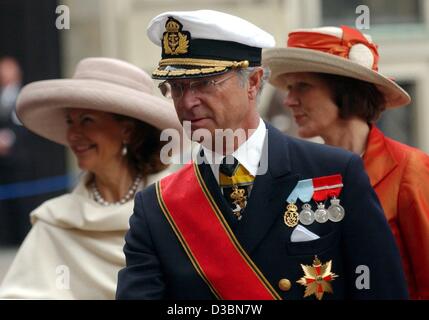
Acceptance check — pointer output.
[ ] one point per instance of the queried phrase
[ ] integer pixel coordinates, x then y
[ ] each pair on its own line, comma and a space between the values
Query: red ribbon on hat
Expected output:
332, 44
327, 187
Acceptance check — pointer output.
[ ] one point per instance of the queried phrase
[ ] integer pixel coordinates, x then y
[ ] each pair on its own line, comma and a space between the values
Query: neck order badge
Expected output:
236, 183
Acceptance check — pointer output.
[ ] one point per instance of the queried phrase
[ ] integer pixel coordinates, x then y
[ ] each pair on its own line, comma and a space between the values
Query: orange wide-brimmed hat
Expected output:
341, 51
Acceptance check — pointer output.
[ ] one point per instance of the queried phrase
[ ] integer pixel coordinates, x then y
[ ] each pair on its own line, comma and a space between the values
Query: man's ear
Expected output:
255, 82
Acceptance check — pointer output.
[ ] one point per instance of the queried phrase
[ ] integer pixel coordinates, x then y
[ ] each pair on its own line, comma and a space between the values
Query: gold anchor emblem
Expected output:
291, 215
175, 41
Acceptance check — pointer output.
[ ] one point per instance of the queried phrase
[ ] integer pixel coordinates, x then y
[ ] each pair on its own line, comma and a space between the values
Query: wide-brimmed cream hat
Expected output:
341, 51
102, 84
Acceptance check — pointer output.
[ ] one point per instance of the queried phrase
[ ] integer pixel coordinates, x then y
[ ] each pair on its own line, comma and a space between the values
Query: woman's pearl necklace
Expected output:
99, 199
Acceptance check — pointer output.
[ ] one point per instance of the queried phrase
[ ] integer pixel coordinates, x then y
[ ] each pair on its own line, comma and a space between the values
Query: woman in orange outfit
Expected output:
335, 91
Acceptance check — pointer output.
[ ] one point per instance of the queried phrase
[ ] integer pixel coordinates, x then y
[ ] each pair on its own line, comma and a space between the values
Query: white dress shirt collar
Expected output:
248, 153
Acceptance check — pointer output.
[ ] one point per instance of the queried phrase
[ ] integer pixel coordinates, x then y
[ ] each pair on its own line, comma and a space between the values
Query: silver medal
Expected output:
321, 214
306, 216
335, 211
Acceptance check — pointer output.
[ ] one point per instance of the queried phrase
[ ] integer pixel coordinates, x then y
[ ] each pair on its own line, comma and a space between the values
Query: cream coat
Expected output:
73, 251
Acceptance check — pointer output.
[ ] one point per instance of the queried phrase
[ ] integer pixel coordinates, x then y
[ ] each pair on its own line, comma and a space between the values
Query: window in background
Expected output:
398, 123
338, 12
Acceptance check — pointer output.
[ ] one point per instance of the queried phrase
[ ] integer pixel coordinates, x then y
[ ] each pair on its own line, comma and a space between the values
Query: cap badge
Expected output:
175, 41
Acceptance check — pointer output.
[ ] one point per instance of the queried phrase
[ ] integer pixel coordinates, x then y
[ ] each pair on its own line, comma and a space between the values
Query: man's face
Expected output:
217, 102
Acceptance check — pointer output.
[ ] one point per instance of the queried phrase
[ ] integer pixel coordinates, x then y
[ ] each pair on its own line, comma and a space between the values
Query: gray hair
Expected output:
244, 75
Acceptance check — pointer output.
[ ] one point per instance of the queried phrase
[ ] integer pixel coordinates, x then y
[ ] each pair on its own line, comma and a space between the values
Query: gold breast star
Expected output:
317, 278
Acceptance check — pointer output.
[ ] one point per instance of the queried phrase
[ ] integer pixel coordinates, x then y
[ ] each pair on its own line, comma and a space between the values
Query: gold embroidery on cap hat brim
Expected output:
203, 63
181, 72
213, 66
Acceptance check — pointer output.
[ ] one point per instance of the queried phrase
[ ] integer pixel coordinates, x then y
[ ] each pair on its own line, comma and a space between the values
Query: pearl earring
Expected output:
124, 150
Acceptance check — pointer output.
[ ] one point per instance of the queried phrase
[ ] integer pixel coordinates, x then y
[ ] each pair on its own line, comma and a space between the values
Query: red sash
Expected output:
207, 239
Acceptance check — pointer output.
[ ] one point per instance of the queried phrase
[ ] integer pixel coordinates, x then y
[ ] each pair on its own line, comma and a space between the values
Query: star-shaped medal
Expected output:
317, 278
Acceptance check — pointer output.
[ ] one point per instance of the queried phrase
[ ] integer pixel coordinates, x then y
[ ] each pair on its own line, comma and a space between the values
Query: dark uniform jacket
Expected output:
158, 267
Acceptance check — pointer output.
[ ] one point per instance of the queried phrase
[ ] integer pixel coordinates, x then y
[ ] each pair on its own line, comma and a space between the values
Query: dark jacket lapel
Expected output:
267, 200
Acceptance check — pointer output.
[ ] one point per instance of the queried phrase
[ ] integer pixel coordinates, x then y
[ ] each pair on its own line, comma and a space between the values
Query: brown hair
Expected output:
355, 98
144, 147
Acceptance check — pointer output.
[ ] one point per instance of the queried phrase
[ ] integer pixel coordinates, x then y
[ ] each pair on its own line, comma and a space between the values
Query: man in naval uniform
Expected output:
267, 217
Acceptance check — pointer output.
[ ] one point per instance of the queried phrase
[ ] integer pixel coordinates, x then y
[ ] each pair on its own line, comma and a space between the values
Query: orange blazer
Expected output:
400, 176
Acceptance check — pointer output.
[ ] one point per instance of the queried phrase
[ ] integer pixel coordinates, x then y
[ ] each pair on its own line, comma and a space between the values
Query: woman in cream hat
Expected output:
335, 91
109, 117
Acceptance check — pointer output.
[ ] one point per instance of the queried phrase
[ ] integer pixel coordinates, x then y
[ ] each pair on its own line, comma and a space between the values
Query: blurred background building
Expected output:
32, 169
117, 28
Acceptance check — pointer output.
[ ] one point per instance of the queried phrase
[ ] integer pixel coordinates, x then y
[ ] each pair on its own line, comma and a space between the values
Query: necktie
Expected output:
236, 183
